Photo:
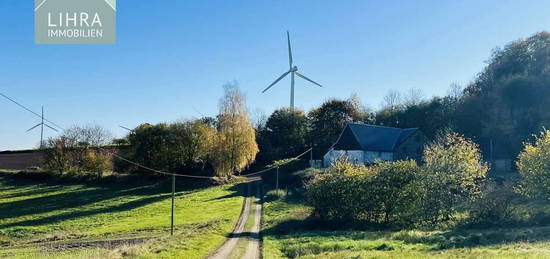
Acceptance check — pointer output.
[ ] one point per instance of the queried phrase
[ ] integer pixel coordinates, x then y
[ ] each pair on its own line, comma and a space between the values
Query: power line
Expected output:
152, 169
146, 167
29, 110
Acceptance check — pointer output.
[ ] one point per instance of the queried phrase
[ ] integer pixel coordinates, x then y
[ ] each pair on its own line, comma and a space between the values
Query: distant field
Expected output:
287, 236
52, 219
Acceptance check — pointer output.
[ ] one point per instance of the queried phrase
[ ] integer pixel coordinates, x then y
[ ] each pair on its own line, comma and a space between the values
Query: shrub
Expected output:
77, 151
452, 174
96, 162
534, 166
400, 192
336, 194
493, 206
383, 193
393, 191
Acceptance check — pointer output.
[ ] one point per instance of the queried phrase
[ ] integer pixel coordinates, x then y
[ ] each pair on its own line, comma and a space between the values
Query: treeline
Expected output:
222, 146
505, 103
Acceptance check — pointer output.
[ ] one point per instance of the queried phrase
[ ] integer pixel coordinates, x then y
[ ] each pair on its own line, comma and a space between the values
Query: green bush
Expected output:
534, 166
337, 193
393, 191
383, 193
493, 206
401, 193
452, 174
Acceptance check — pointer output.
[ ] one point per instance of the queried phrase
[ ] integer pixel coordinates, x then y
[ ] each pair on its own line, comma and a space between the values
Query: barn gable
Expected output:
365, 144
371, 138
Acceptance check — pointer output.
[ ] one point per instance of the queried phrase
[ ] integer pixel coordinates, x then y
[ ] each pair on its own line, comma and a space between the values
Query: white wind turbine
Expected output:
42, 124
293, 70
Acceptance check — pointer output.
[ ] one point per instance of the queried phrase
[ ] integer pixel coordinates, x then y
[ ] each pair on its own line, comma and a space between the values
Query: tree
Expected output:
285, 134
149, 146
235, 144
181, 146
392, 100
508, 99
391, 107
534, 166
192, 143
79, 150
455, 91
452, 173
328, 121
413, 96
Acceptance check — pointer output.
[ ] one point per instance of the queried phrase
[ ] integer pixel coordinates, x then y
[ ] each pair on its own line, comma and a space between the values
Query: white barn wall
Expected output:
373, 156
356, 156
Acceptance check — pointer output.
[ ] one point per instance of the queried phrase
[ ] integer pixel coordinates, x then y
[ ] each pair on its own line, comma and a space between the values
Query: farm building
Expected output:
365, 144
498, 152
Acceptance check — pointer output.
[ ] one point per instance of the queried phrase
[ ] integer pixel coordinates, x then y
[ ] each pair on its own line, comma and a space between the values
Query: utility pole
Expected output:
277, 181
173, 196
311, 156
42, 129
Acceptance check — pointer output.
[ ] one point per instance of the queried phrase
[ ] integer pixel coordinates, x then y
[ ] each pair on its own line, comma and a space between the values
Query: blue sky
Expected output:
172, 57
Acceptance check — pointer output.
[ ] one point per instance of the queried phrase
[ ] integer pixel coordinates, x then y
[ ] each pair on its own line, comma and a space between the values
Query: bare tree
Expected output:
413, 96
258, 118
455, 91
392, 99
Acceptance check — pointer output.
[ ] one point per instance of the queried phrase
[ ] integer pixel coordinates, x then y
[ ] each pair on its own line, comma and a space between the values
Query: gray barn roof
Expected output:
371, 137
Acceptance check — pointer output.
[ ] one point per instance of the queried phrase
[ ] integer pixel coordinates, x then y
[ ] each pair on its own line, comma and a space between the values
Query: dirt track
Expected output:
251, 236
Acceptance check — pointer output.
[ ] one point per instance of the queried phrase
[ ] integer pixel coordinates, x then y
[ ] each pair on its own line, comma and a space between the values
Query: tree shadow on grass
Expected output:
31, 190
83, 213
237, 190
84, 194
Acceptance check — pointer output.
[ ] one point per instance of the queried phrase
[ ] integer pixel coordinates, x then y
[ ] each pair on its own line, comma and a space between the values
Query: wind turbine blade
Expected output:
304, 77
278, 79
50, 127
125, 128
289, 50
34, 127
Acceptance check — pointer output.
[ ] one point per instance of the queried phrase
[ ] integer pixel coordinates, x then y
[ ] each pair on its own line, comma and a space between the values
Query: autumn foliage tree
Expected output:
534, 166
453, 173
235, 145
78, 151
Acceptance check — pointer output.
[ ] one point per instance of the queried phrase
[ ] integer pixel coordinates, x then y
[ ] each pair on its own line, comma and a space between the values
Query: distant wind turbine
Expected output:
42, 124
293, 70
126, 128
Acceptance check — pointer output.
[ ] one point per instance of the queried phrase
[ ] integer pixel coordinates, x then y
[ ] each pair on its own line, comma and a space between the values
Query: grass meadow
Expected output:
289, 231
47, 218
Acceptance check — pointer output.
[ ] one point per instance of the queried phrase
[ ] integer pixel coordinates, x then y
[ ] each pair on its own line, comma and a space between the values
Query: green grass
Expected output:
43, 217
290, 232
